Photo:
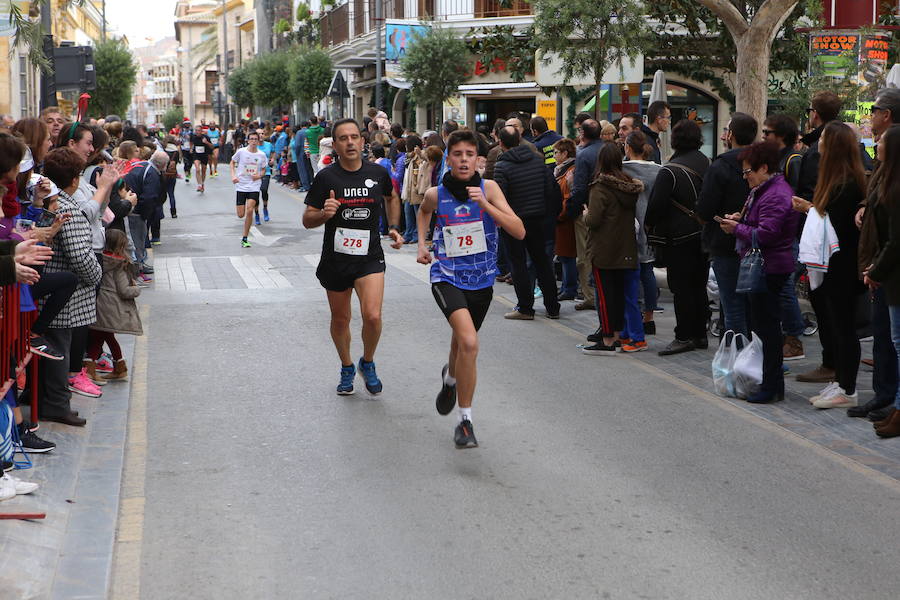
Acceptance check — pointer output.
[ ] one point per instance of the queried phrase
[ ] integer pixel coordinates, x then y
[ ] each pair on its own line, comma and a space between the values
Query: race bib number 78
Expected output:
464, 239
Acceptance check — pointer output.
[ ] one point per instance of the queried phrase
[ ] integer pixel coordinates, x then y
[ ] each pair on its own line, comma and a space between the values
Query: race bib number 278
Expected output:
354, 242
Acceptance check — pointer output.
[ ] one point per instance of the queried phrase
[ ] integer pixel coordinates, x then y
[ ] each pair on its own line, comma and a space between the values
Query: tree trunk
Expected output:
751, 88
754, 47
597, 102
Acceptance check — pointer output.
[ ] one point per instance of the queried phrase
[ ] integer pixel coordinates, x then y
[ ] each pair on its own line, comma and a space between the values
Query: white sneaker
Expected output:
7, 488
840, 399
21, 487
827, 391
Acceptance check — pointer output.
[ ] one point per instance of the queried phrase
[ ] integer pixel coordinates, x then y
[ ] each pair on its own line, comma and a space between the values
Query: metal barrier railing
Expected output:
15, 353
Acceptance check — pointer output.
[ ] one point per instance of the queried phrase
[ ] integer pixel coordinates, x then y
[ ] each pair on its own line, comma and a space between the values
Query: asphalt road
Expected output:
596, 477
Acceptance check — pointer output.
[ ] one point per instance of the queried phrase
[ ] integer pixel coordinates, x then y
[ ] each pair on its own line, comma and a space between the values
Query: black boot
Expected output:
873, 404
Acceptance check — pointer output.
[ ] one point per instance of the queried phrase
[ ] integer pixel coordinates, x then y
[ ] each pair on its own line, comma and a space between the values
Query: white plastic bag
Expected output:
748, 367
723, 363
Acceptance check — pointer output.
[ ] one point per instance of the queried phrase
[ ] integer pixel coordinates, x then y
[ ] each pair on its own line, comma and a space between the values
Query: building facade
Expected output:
20, 81
210, 46
157, 85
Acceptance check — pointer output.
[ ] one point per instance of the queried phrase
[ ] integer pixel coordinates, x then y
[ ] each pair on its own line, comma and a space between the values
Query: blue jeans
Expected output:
569, 275
895, 337
409, 212
885, 373
791, 318
634, 321
734, 305
649, 287
303, 172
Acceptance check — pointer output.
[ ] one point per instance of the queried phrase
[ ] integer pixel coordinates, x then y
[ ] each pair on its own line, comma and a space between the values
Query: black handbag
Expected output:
752, 275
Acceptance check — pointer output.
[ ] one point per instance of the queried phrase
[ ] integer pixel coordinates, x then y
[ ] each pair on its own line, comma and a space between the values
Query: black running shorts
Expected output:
242, 197
341, 276
202, 158
451, 298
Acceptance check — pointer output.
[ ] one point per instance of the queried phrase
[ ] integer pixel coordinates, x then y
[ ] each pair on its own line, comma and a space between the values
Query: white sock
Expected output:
449, 380
465, 414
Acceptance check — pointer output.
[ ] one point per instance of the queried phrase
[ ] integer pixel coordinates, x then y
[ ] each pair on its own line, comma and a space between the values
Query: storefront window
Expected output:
690, 103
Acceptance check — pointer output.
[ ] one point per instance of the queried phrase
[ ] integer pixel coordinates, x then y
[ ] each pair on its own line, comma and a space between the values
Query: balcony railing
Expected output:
357, 17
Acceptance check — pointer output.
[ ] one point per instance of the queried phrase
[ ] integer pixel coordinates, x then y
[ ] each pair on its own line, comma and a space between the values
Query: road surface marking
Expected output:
126, 572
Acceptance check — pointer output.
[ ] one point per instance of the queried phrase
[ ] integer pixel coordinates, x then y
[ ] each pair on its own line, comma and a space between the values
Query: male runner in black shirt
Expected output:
348, 197
201, 148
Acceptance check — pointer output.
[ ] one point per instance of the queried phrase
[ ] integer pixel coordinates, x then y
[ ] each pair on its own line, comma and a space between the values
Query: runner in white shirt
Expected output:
248, 167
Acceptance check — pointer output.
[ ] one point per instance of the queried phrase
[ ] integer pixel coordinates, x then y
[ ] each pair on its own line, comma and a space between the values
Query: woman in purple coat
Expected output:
768, 215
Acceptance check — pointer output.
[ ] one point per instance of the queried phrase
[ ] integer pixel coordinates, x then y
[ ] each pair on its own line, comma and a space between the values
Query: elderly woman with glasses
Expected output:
768, 219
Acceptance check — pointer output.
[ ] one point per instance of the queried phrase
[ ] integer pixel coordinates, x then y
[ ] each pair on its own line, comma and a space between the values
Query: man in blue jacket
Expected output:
585, 165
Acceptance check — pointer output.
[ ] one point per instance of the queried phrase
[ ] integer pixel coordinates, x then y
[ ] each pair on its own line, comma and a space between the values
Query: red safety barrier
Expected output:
15, 327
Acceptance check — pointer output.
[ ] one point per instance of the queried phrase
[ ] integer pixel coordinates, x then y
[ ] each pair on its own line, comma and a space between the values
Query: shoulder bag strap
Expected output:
689, 212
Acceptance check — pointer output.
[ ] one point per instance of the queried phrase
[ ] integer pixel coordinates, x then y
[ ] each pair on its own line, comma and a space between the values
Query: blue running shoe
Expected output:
345, 387
367, 371
257, 219
266, 215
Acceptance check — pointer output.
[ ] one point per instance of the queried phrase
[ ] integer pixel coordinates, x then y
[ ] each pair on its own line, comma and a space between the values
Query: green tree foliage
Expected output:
29, 33
116, 74
268, 73
282, 26
503, 43
590, 36
240, 86
691, 41
173, 117
436, 65
303, 13
310, 74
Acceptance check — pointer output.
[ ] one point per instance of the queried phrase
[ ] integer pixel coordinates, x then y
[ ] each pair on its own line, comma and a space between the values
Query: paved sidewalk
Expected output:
69, 554
831, 429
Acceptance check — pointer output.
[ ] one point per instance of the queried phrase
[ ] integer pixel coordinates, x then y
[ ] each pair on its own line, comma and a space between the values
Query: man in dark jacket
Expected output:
527, 185
671, 212
885, 112
585, 165
659, 117
145, 180
723, 193
782, 130
544, 140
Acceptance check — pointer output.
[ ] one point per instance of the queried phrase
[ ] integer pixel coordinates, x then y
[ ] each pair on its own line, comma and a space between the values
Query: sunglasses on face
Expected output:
746, 171
767, 131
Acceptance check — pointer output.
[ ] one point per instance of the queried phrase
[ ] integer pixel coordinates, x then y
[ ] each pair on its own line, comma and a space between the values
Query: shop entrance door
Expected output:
488, 111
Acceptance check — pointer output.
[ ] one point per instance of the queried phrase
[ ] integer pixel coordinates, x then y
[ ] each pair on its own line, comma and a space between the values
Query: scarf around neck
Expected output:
457, 188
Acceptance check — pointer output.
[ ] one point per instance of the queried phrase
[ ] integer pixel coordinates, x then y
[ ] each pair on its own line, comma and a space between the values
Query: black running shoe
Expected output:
446, 398
597, 336
42, 347
465, 435
32, 444
7, 465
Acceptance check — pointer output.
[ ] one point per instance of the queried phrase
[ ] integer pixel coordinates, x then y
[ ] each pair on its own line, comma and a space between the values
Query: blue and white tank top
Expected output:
469, 235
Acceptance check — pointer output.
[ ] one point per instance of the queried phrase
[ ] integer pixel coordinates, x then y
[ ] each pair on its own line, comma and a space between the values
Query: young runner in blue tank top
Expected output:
469, 211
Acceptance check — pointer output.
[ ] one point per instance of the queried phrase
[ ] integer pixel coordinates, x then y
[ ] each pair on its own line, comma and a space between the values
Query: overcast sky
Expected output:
141, 19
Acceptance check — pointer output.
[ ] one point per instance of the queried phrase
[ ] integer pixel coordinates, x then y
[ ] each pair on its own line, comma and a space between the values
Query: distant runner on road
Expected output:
248, 167
348, 197
469, 211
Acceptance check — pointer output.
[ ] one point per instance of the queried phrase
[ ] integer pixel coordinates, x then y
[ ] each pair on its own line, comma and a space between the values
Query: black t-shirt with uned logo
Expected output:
361, 194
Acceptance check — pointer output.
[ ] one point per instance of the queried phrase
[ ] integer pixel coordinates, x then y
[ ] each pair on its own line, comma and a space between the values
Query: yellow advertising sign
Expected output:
547, 109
